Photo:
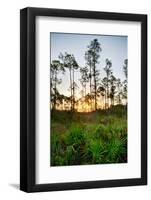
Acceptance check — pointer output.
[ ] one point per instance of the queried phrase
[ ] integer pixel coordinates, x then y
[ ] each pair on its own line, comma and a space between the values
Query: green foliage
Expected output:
115, 150
75, 136
93, 138
96, 149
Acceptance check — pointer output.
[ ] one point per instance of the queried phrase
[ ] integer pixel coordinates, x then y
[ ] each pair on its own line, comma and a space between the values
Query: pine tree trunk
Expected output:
107, 91
105, 97
95, 95
70, 88
90, 88
73, 88
85, 94
55, 90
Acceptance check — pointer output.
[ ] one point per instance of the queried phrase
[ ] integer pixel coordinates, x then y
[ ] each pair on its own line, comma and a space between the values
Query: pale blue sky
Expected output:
113, 48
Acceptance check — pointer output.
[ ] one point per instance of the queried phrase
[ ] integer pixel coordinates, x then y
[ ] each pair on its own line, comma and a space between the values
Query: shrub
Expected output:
96, 150
75, 136
93, 138
115, 151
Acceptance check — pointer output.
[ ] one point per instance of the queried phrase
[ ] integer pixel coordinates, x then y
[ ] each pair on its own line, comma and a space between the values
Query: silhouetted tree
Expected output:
84, 78
88, 59
88, 100
55, 68
119, 91
92, 57
104, 83
112, 88
101, 91
125, 67
70, 62
108, 71
125, 81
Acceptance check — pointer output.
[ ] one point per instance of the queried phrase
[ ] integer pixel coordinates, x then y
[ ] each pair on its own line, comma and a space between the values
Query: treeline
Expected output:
96, 93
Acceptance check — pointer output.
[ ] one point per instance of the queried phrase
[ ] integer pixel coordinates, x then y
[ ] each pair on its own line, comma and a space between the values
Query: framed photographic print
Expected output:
83, 99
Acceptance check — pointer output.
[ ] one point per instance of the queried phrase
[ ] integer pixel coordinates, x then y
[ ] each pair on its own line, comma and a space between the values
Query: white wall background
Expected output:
9, 99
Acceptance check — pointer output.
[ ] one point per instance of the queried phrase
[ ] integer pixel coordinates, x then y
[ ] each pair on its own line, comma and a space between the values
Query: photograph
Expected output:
83, 99
88, 99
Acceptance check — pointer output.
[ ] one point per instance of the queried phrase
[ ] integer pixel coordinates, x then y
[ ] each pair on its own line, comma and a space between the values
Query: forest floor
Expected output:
98, 137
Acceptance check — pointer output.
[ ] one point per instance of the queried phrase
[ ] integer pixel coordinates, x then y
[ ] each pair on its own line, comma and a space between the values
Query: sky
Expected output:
113, 48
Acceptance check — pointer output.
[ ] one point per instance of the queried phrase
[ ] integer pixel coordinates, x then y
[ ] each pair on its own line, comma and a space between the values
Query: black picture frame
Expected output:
28, 98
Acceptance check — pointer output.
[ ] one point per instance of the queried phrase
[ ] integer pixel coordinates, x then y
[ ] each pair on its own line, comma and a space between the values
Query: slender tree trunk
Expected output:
55, 90
73, 88
70, 88
105, 97
85, 94
95, 96
63, 104
90, 88
82, 97
119, 98
51, 85
113, 99
107, 90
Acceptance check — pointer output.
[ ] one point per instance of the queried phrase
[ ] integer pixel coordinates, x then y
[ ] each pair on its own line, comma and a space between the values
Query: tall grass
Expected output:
98, 138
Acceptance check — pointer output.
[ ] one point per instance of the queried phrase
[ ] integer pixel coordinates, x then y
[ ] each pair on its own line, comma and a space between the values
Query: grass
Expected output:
98, 137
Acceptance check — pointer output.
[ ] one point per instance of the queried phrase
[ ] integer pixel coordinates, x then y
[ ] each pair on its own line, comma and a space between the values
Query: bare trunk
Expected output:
105, 97
70, 88
107, 90
55, 92
113, 100
51, 85
95, 96
90, 88
73, 88
85, 94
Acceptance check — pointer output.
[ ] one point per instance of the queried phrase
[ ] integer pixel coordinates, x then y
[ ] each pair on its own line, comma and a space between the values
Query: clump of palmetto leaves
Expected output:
99, 141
